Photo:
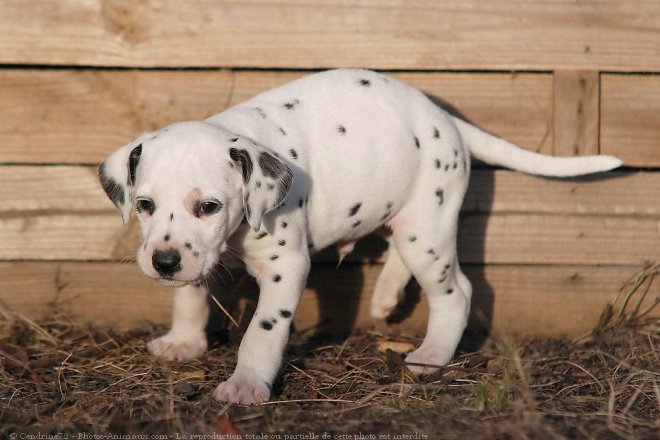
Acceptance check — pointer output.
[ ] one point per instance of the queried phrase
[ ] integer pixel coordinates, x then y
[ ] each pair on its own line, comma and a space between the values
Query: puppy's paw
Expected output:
178, 347
426, 360
241, 391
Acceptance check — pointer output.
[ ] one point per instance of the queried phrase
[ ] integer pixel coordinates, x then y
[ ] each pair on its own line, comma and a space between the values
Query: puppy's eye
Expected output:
209, 207
145, 205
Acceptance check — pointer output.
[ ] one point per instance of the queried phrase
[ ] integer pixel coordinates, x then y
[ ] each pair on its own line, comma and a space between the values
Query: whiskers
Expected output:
127, 260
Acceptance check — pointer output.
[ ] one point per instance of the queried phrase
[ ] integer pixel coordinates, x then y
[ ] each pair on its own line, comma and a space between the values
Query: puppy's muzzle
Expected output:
167, 262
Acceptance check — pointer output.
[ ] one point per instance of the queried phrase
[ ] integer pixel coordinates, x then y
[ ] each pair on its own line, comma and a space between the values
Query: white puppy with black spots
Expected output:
325, 159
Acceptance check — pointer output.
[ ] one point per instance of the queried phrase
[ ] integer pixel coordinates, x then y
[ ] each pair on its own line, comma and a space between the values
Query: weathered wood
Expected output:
571, 298
497, 238
630, 118
80, 116
26, 190
576, 112
61, 213
403, 34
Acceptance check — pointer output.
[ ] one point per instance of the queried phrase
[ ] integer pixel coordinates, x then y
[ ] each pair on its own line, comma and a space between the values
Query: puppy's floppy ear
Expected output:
266, 179
117, 175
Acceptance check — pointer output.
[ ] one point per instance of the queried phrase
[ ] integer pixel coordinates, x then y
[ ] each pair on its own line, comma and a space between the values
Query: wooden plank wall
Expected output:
80, 78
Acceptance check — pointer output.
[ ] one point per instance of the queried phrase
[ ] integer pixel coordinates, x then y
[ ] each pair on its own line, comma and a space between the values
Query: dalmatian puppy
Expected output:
323, 160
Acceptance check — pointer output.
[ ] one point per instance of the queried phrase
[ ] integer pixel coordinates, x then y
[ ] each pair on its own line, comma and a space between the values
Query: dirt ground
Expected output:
63, 379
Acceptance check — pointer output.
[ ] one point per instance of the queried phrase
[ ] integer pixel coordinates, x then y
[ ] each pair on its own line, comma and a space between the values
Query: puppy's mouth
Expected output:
169, 281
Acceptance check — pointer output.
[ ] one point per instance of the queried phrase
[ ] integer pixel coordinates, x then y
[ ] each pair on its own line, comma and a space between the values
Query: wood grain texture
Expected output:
576, 112
61, 213
510, 298
81, 116
630, 118
497, 238
30, 189
403, 34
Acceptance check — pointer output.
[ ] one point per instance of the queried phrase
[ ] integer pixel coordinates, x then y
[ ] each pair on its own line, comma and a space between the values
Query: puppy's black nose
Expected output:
166, 262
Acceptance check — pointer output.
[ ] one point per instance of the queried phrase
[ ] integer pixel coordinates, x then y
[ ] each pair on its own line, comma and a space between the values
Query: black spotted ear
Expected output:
118, 174
265, 186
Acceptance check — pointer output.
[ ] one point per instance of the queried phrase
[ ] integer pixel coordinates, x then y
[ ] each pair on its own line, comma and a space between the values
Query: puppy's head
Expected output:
191, 184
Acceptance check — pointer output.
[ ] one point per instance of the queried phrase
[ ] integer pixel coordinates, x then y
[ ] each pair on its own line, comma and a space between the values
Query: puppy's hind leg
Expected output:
433, 261
391, 281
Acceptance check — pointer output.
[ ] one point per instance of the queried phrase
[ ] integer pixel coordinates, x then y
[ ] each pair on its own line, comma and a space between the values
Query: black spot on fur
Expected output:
285, 313
293, 153
113, 190
450, 291
442, 280
440, 194
341, 129
447, 266
234, 139
243, 157
167, 237
291, 104
301, 203
258, 184
357, 223
354, 209
171, 216
277, 278
282, 242
364, 82
266, 325
446, 167
196, 254
416, 142
271, 166
284, 225
260, 112
261, 235
274, 257
431, 252
436, 133
188, 245
438, 164
133, 160
412, 239
270, 187
455, 165
282, 131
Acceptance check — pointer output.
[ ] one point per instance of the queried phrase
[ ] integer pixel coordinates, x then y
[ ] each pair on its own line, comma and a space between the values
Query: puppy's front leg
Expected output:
186, 339
260, 353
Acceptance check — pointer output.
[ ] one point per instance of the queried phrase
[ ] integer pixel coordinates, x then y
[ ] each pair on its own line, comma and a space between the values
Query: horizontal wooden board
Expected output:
525, 300
60, 213
26, 190
81, 116
630, 118
497, 238
402, 34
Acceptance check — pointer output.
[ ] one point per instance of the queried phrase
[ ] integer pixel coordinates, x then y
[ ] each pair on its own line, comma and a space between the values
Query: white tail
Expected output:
497, 151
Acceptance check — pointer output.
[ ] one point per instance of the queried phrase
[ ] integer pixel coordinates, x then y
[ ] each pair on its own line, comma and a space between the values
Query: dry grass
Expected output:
59, 376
